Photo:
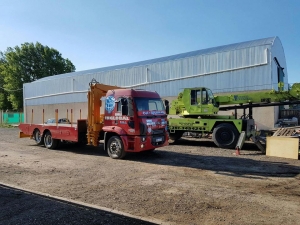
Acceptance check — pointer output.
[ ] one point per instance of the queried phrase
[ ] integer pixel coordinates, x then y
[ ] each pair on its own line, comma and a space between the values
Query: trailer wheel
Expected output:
49, 142
39, 139
115, 148
174, 137
225, 135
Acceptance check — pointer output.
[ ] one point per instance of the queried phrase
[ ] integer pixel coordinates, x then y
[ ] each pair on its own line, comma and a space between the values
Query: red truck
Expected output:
134, 120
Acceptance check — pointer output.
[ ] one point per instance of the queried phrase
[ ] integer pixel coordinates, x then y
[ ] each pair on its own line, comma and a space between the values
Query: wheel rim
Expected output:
115, 148
48, 140
37, 136
226, 136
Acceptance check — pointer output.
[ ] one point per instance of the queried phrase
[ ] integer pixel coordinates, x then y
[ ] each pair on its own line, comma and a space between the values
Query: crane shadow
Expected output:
227, 165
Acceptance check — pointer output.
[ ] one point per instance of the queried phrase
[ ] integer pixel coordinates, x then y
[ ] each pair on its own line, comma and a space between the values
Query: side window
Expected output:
204, 97
195, 97
119, 105
130, 107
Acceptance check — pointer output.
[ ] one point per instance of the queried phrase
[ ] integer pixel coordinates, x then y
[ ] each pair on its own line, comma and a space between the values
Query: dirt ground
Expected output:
190, 183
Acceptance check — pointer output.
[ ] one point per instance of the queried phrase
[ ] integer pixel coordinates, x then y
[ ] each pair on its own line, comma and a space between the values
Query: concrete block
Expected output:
285, 147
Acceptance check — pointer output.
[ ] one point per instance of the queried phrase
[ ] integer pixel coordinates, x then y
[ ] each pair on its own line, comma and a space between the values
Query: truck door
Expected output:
199, 101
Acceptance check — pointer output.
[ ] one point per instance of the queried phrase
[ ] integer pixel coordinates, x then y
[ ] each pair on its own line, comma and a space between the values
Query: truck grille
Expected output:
158, 131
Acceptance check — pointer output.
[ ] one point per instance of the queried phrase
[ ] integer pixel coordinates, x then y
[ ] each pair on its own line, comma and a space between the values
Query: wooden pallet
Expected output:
284, 131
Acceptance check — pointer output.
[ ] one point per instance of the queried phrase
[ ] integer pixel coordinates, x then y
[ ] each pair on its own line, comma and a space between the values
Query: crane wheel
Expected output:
225, 135
174, 137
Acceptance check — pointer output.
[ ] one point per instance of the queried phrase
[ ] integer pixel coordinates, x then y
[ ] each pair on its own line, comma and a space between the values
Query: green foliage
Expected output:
26, 64
4, 103
4, 125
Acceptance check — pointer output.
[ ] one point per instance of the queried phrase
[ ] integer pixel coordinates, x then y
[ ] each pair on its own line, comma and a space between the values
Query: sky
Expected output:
100, 33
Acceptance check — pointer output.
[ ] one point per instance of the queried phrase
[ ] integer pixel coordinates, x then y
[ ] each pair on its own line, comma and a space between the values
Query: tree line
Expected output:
25, 64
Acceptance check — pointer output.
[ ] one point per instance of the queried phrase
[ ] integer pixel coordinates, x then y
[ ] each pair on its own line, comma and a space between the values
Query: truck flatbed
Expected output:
67, 132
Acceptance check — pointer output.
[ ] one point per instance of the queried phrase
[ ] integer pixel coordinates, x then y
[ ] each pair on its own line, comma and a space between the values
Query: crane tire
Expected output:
225, 135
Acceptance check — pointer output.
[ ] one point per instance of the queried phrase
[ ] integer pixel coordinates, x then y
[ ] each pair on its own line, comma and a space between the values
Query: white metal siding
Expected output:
236, 67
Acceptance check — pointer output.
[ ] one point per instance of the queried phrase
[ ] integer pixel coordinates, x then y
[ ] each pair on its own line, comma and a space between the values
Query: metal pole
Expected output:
71, 117
56, 116
31, 116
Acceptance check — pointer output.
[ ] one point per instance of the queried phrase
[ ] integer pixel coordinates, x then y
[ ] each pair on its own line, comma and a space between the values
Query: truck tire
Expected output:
115, 148
225, 135
39, 139
49, 142
174, 137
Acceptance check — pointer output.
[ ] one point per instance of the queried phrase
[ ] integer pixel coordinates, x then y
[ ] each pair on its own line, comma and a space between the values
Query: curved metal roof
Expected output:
224, 48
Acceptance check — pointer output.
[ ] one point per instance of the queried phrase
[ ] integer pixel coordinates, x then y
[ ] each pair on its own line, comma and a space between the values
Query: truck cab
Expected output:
137, 117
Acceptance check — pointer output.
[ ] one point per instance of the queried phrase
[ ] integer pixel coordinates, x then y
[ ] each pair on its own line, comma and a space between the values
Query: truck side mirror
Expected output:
167, 106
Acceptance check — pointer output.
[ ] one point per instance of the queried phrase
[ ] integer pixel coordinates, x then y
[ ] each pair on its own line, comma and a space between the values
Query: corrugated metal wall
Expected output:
223, 69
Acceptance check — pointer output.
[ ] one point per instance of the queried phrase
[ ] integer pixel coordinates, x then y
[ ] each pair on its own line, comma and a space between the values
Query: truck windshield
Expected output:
149, 104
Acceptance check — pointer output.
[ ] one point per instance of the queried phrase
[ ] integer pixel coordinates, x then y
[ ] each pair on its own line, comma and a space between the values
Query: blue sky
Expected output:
99, 33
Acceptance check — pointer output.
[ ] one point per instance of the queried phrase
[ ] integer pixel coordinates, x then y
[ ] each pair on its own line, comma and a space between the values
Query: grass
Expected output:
5, 125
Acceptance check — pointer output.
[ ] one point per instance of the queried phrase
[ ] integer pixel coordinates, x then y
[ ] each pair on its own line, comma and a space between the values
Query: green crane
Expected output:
196, 110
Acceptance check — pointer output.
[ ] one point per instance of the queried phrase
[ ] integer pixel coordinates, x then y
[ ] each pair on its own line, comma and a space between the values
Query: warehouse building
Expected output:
247, 66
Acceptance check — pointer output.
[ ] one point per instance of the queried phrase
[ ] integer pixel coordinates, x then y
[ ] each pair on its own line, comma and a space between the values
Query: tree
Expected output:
4, 103
26, 64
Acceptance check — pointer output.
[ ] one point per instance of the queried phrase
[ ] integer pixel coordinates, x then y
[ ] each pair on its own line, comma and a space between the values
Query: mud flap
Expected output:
104, 142
22, 135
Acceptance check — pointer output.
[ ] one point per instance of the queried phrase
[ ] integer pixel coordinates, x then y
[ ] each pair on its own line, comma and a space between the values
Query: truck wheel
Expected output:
115, 148
49, 141
39, 139
174, 137
225, 135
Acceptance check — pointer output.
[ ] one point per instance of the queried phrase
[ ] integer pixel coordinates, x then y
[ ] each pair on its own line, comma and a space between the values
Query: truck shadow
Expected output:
230, 166
205, 142
226, 165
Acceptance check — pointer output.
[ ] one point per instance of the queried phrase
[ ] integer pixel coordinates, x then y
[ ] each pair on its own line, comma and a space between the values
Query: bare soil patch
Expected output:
190, 183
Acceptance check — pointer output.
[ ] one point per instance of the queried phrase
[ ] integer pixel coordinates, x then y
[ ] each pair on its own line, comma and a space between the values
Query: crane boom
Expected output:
271, 96
193, 102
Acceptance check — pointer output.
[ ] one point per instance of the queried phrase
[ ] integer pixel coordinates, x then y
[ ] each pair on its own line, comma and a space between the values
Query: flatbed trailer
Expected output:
133, 121
63, 132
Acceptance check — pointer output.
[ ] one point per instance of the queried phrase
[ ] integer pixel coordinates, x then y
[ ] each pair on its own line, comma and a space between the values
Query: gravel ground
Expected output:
190, 183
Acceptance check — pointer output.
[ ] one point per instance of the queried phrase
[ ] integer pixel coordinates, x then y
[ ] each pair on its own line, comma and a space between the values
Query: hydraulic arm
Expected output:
95, 120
